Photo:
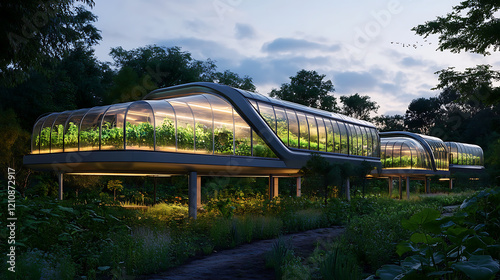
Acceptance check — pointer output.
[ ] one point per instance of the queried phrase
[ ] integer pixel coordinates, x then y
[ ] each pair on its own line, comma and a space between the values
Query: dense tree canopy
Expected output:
147, 68
309, 89
471, 26
359, 107
33, 31
421, 114
390, 123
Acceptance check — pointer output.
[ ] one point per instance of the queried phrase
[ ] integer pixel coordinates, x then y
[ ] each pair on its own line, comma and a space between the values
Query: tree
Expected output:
147, 68
309, 89
115, 185
473, 84
34, 30
390, 123
232, 79
471, 26
358, 107
78, 80
319, 172
421, 114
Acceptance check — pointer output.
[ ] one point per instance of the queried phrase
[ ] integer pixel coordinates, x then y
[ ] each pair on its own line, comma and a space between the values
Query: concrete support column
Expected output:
198, 192
273, 186
407, 187
400, 189
348, 189
299, 186
193, 194
391, 186
60, 180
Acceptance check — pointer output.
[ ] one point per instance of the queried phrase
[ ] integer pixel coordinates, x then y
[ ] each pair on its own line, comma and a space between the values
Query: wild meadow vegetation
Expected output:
96, 237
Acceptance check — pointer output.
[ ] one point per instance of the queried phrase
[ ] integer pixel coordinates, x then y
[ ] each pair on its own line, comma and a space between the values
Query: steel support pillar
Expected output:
193, 194
60, 180
198, 192
348, 189
407, 187
299, 186
273, 186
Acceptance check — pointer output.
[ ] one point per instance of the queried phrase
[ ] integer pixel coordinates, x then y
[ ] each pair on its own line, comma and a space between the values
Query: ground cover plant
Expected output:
96, 238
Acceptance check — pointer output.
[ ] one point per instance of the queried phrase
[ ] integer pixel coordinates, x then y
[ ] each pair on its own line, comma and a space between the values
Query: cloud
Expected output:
281, 45
351, 82
411, 62
244, 31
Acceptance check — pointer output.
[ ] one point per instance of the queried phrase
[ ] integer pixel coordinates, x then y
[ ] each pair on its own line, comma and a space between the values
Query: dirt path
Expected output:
246, 261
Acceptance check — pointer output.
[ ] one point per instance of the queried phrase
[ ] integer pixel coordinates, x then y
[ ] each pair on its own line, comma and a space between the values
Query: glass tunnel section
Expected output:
465, 154
199, 123
314, 132
404, 153
411, 151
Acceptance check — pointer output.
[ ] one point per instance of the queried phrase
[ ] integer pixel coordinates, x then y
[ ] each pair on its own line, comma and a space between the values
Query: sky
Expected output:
363, 46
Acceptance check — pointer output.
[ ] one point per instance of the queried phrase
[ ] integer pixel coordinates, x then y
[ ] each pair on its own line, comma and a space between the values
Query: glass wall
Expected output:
465, 154
302, 130
439, 150
403, 153
197, 123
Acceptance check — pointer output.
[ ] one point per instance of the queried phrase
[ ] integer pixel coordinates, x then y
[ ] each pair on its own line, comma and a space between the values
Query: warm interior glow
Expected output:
120, 174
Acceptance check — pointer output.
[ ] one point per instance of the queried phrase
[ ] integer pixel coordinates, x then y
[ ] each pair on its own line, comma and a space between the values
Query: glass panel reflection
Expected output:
203, 117
35, 139
139, 127
321, 134
164, 125
45, 133
72, 130
281, 124
223, 125
112, 127
57, 133
90, 129
313, 133
293, 125
304, 131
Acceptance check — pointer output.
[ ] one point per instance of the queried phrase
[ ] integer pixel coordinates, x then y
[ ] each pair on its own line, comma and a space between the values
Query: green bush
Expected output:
463, 246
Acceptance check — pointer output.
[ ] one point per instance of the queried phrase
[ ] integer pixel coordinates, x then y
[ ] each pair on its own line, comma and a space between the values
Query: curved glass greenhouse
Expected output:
411, 151
202, 119
465, 154
202, 123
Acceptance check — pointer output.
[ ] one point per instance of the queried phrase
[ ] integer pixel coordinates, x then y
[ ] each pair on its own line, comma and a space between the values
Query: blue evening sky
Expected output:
362, 46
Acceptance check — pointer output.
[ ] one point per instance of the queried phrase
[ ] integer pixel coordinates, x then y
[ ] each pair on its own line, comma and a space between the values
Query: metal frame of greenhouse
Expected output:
207, 129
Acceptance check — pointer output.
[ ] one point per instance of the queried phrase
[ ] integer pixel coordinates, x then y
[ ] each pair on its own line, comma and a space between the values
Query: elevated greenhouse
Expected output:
198, 129
465, 157
206, 129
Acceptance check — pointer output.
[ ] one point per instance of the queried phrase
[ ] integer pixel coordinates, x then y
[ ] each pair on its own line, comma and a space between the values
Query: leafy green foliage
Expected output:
339, 265
358, 107
35, 31
309, 89
471, 26
451, 247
